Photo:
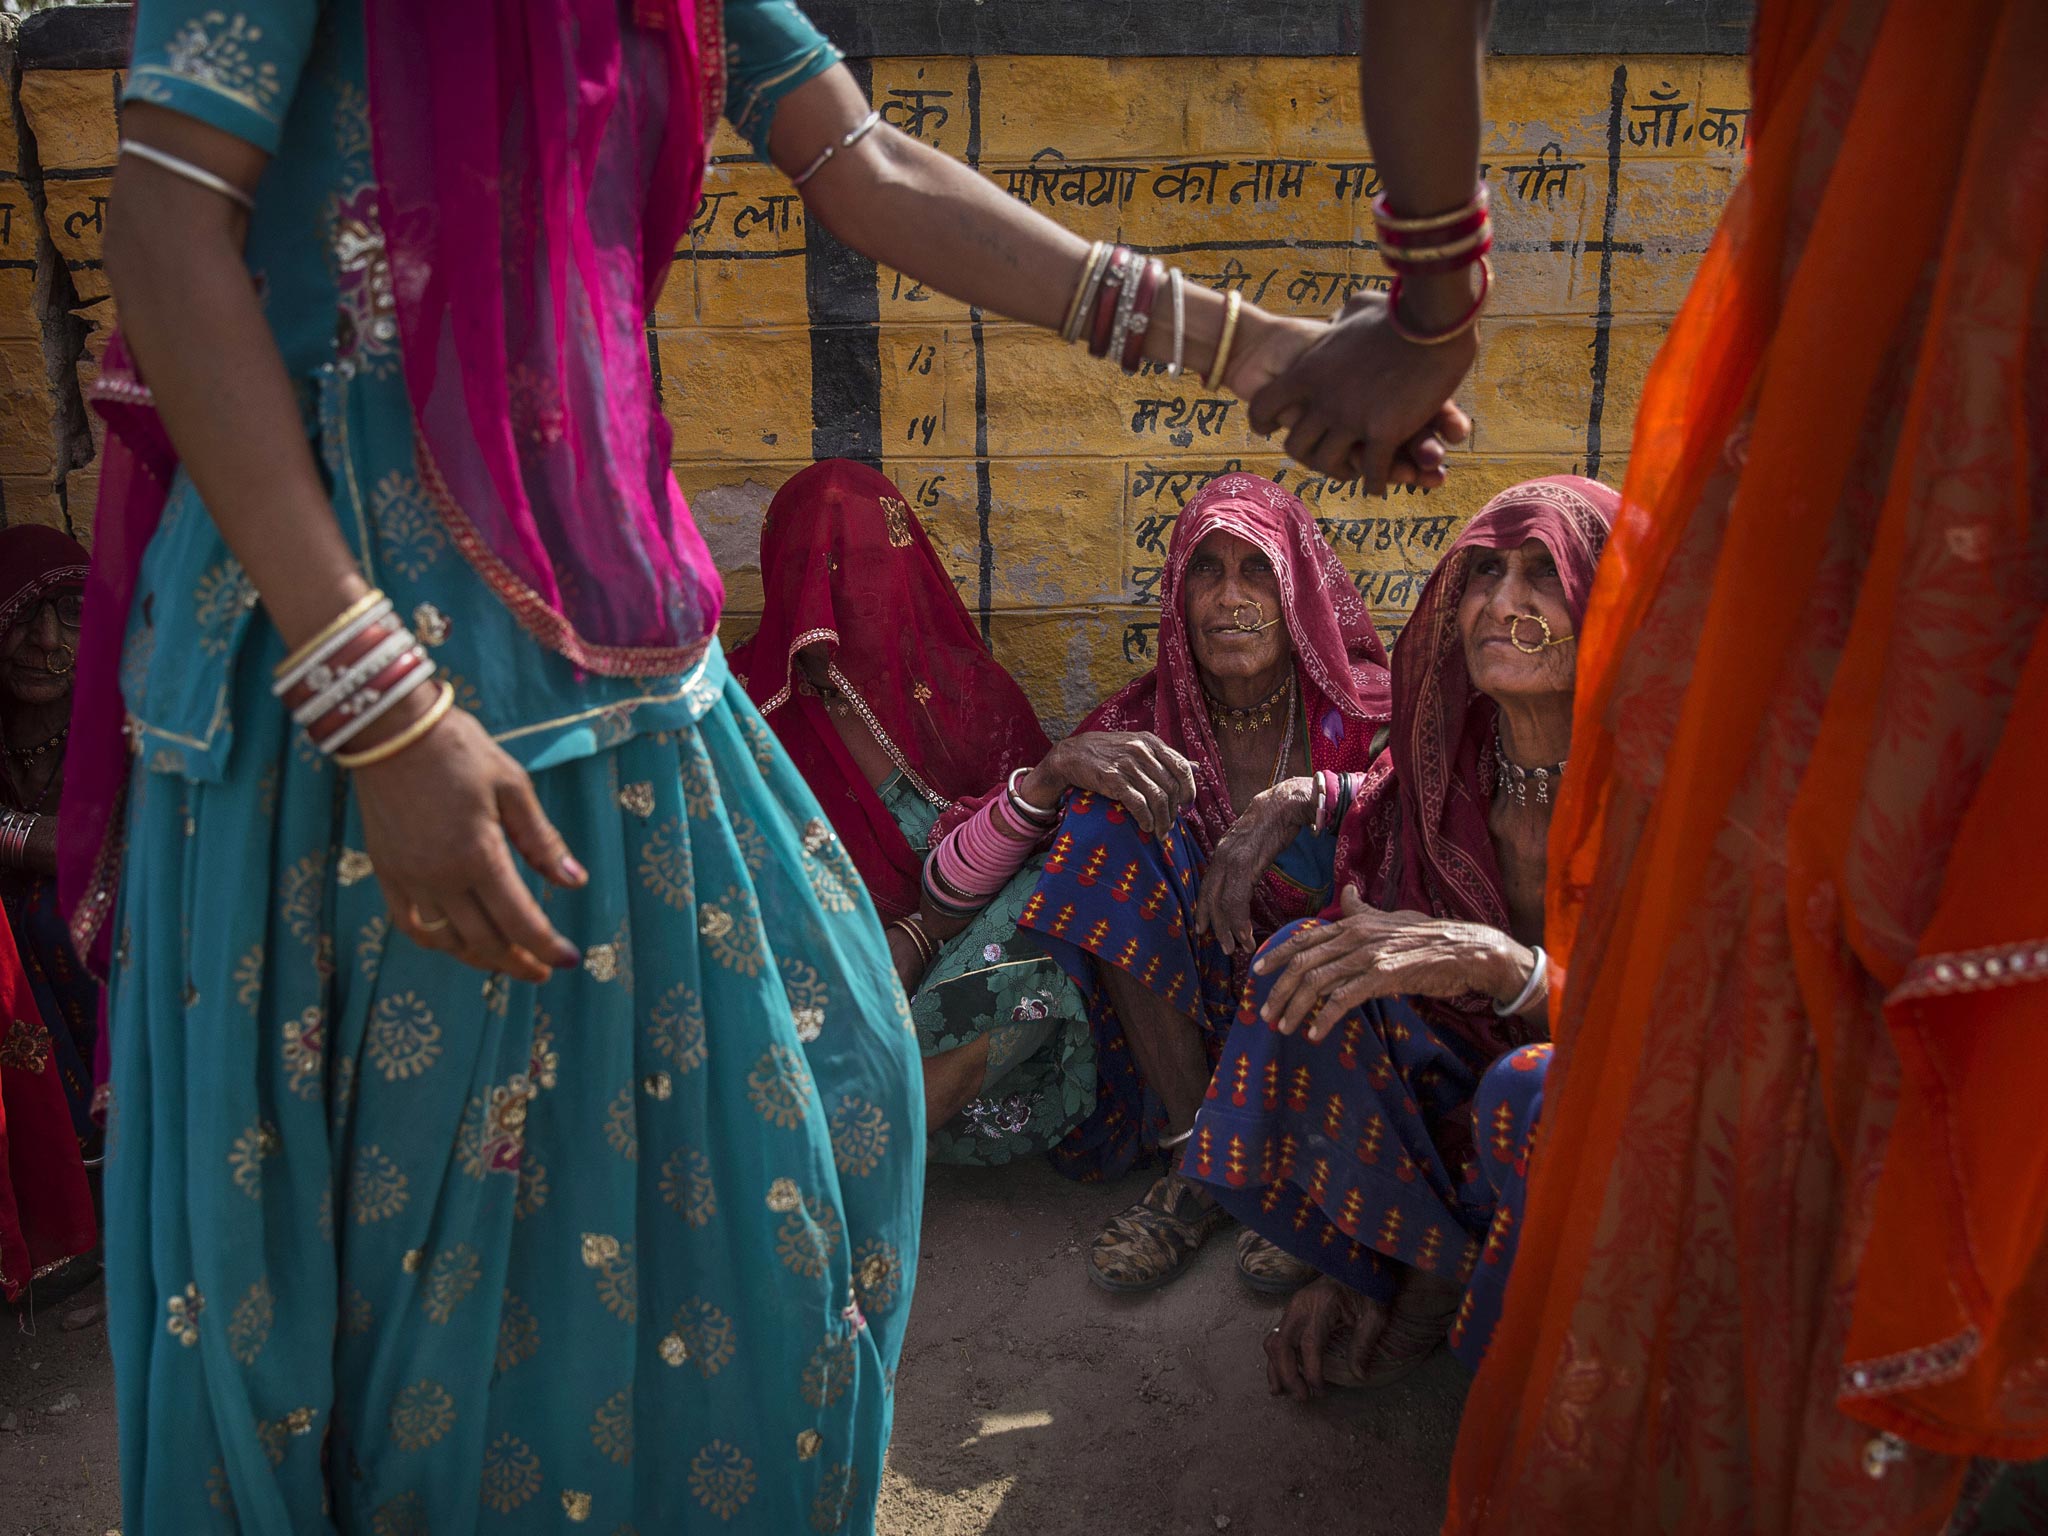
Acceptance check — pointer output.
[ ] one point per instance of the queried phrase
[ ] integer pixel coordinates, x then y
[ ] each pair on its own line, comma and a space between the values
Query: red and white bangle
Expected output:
352, 674
1438, 245
1117, 302
305, 664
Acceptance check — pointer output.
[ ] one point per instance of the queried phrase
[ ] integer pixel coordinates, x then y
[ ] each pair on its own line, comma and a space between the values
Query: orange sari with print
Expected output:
1785, 1266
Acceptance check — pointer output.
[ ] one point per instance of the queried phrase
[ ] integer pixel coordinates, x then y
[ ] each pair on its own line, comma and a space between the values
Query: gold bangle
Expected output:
1394, 255
1473, 204
1081, 289
405, 738
328, 631
1231, 306
919, 940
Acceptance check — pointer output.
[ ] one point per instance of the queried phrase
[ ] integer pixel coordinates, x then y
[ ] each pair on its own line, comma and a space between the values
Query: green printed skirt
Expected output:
990, 979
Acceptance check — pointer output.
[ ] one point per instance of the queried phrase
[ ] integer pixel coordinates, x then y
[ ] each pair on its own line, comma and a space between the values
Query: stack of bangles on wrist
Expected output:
354, 673
16, 828
1116, 304
1441, 244
1332, 798
978, 857
1326, 801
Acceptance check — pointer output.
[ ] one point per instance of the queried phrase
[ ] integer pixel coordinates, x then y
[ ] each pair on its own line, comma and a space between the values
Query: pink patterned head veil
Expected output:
1339, 661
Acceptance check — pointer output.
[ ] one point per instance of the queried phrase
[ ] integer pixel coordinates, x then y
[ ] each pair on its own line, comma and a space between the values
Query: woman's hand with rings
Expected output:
440, 821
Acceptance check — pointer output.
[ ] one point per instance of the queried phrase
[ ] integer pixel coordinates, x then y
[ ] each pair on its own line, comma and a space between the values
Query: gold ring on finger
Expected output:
436, 926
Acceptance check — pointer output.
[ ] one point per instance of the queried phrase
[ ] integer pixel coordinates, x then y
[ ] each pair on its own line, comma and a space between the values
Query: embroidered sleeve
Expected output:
235, 69
771, 48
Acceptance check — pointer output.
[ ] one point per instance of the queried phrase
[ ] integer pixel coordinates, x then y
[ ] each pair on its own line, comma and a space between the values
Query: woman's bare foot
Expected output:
1424, 1310
1324, 1315
1332, 1336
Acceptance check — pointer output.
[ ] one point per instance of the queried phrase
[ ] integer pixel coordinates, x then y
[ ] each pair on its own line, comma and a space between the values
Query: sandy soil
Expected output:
1029, 1403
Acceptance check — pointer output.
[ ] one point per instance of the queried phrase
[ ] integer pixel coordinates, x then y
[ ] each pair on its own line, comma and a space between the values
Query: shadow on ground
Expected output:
1029, 1403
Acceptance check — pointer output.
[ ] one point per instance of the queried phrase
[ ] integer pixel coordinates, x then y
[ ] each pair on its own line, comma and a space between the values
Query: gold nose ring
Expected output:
1515, 633
1258, 616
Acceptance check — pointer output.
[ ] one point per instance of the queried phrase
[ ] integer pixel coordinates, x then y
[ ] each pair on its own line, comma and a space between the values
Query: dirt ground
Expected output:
1029, 1403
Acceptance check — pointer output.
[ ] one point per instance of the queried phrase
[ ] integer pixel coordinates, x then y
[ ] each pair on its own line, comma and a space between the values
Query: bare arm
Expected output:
934, 219
190, 313
1362, 390
436, 816
1422, 73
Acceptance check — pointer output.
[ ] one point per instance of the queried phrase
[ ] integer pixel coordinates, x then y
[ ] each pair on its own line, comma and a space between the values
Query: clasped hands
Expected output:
1358, 399
1329, 967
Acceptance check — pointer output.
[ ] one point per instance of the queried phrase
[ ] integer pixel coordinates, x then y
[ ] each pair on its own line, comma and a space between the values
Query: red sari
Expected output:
46, 1212
1791, 1188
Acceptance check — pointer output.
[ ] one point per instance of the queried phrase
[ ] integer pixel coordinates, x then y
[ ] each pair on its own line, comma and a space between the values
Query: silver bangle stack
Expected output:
1035, 816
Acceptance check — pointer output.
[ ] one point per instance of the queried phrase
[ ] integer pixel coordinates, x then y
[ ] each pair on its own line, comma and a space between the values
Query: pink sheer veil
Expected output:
537, 166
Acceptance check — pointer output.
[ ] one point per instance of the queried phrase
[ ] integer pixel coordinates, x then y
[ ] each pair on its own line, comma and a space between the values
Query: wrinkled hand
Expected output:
1322, 1313
1275, 344
1153, 781
1242, 857
437, 822
1353, 399
1330, 968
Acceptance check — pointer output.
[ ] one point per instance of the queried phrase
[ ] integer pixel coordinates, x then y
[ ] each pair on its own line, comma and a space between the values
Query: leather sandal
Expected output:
1156, 1239
1268, 1268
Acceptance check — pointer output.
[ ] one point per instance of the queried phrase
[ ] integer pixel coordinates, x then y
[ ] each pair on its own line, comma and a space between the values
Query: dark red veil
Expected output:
845, 563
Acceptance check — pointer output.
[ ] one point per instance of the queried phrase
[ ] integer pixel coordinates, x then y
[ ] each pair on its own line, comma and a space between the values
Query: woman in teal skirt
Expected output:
516, 1116
880, 687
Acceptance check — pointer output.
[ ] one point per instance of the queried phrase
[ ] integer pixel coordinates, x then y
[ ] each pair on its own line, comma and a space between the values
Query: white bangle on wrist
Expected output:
1538, 977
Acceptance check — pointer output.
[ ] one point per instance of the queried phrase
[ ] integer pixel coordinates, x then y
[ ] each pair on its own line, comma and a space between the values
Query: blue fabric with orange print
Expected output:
1505, 1113
1386, 1144
1113, 894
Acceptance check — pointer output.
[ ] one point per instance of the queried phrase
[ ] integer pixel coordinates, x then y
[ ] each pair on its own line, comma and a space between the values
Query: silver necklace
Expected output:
1525, 784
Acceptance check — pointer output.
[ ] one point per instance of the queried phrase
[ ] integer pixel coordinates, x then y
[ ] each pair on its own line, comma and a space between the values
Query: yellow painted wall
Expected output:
1258, 166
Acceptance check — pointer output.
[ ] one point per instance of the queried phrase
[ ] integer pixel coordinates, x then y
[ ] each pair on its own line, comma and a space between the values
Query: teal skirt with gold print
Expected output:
405, 1248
